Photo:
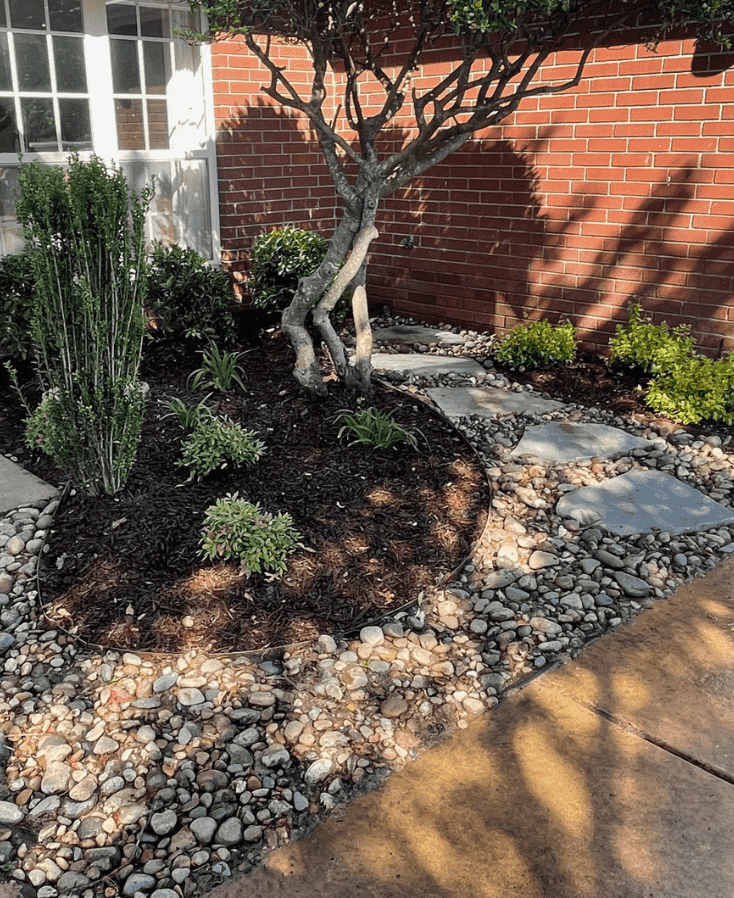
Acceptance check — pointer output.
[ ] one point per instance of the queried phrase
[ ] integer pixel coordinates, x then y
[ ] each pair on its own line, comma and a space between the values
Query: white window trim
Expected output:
104, 127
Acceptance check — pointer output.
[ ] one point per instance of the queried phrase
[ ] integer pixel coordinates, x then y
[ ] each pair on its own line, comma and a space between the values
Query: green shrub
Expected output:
215, 443
537, 345
650, 347
693, 388
16, 305
187, 297
219, 370
84, 231
236, 530
110, 415
279, 260
371, 427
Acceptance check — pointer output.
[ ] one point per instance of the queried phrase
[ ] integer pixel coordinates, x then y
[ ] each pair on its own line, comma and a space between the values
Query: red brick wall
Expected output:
270, 168
617, 190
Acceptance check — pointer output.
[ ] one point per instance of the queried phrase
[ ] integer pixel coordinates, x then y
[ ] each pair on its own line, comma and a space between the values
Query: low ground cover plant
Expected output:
187, 297
650, 347
237, 530
538, 345
214, 443
685, 385
373, 428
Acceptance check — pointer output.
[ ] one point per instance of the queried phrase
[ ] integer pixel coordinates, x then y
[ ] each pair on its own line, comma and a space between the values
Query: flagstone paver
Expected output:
405, 333
19, 487
563, 442
425, 365
641, 501
489, 402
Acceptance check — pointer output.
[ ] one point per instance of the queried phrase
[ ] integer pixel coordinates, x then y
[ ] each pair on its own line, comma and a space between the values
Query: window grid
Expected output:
152, 105
17, 95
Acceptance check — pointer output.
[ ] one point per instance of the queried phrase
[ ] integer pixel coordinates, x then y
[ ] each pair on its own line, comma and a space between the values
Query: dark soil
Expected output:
378, 526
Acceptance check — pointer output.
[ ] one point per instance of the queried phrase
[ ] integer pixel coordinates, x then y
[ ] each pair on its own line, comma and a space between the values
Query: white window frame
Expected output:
104, 126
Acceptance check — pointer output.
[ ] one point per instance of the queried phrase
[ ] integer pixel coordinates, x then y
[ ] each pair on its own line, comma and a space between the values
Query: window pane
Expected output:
6, 82
130, 131
31, 56
8, 129
65, 15
3, 23
27, 14
158, 124
154, 22
76, 129
121, 19
38, 124
71, 75
183, 18
125, 74
155, 57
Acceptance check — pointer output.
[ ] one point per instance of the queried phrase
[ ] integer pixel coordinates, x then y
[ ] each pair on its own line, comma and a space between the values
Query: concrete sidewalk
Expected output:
611, 777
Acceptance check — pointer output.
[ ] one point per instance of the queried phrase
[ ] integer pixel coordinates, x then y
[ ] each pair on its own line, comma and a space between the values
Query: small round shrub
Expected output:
187, 297
537, 345
17, 286
236, 530
279, 260
693, 388
650, 347
214, 443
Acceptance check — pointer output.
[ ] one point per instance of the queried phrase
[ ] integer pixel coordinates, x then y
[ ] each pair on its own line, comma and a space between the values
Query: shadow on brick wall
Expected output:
271, 173
460, 243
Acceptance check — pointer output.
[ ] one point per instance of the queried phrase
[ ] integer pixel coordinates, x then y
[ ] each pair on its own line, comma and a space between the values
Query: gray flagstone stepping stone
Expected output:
489, 402
416, 333
561, 441
641, 501
19, 487
424, 365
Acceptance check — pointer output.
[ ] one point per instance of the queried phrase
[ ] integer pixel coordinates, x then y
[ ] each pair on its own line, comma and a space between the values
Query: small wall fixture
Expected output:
407, 243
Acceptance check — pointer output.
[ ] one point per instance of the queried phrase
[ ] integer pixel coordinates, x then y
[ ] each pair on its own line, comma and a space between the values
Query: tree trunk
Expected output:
355, 231
310, 290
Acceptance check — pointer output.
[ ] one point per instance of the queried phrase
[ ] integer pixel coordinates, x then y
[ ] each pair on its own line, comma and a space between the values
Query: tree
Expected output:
366, 58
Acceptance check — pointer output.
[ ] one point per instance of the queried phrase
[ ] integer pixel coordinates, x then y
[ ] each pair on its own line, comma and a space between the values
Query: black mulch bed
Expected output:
378, 527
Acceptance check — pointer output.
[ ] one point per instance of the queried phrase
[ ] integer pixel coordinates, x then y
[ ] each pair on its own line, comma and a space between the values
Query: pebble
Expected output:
215, 759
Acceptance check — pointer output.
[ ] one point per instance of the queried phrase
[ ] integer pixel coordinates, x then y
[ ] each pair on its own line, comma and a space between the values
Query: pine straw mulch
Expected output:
378, 527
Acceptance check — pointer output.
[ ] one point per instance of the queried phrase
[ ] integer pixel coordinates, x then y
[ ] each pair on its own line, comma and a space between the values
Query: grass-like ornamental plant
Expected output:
373, 428
650, 347
537, 345
220, 369
215, 443
236, 530
188, 418
84, 231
